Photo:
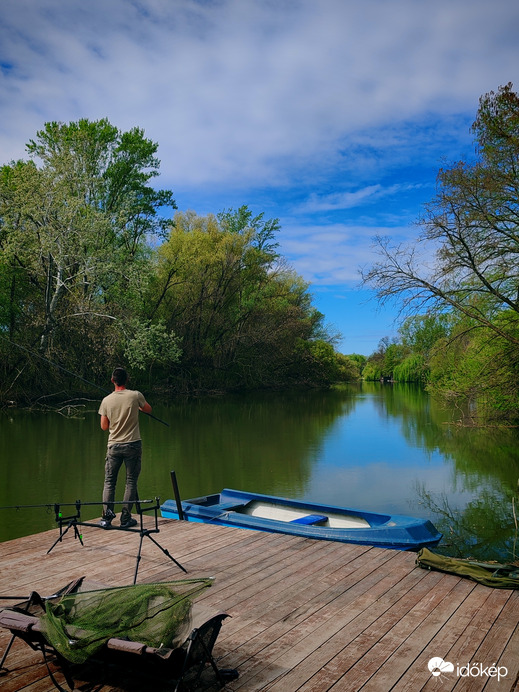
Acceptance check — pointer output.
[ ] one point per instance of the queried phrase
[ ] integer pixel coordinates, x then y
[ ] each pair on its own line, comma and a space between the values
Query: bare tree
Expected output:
470, 230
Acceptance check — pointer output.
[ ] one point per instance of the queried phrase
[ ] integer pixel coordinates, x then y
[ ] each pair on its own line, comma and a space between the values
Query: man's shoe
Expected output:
127, 521
106, 519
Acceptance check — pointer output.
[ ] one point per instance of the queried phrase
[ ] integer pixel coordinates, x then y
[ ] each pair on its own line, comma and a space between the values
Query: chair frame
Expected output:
190, 658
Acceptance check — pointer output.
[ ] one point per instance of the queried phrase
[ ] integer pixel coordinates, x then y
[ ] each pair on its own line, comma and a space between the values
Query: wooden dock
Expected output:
306, 615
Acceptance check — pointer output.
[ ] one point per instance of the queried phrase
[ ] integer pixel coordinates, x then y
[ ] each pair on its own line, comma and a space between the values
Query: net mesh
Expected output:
77, 624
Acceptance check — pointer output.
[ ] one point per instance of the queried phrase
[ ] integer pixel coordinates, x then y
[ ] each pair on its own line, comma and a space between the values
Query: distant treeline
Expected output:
95, 271
459, 282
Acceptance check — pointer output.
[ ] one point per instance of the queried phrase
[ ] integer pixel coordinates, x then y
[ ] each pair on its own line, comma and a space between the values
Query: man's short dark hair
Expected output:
120, 376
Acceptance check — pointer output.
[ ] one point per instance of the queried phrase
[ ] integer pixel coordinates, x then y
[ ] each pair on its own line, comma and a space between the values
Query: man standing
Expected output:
119, 413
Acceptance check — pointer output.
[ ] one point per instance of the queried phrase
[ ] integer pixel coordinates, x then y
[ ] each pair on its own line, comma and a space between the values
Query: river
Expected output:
384, 448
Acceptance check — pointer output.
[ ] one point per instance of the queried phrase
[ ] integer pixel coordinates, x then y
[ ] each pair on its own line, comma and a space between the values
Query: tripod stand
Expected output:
146, 533
73, 521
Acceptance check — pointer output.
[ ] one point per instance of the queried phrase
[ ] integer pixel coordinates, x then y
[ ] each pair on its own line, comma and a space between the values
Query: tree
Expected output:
240, 311
472, 224
381, 364
76, 225
478, 372
421, 333
149, 344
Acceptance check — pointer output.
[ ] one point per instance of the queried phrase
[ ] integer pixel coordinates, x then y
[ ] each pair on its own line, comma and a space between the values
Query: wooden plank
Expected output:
462, 628
371, 625
281, 602
306, 615
492, 646
289, 642
508, 658
388, 660
366, 608
302, 585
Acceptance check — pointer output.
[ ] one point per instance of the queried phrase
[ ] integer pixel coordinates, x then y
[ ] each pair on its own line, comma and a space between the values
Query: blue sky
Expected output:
333, 116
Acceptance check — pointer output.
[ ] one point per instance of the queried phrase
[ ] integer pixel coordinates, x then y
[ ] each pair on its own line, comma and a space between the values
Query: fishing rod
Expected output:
74, 374
53, 505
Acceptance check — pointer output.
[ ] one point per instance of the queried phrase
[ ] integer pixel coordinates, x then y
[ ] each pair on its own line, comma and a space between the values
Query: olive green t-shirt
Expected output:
122, 410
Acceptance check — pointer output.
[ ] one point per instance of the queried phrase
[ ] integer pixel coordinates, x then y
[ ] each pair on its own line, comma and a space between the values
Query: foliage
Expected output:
381, 364
148, 344
372, 371
319, 362
93, 272
350, 367
420, 333
75, 226
411, 369
479, 371
240, 312
357, 358
464, 306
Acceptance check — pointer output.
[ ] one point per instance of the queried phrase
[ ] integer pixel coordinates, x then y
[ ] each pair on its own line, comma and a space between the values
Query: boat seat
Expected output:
225, 506
310, 519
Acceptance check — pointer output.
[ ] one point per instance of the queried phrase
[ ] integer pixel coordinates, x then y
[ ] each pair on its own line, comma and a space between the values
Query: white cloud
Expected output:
348, 200
248, 91
340, 200
330, 115
332, 255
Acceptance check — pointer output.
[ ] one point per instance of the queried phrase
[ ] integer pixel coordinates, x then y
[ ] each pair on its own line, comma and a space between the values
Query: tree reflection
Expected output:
485, 529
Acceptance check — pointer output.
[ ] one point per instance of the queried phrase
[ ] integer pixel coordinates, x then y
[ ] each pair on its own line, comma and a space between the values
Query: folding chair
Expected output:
181, 666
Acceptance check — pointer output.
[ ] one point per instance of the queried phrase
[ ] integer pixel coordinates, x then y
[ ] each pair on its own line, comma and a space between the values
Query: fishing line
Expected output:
74, 374
53, 505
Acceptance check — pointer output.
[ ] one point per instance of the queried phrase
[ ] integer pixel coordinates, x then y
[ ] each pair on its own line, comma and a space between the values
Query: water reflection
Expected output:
381, 448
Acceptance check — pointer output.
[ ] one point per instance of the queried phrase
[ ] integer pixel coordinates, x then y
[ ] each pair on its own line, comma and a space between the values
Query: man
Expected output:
119, 413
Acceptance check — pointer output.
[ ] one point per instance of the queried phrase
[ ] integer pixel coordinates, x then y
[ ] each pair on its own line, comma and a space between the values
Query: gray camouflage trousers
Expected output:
130, 454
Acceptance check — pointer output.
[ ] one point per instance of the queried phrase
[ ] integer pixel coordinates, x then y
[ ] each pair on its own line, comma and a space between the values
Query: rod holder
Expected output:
177, 496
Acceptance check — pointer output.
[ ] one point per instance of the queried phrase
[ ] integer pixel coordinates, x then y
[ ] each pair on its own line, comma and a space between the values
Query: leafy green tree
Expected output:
239, 310
479, 372
149, 344
372, 371
359, 359
471, 289
349, 367
419, 337
319, 362
374, 367
421, 333
393, 357
75, 224
382, 363
473, 224
412, 369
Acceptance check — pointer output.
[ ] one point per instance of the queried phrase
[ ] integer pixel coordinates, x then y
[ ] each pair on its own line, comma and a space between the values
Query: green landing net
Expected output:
77, 624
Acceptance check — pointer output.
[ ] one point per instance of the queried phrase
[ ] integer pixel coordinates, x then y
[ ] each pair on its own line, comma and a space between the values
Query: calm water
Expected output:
377, 447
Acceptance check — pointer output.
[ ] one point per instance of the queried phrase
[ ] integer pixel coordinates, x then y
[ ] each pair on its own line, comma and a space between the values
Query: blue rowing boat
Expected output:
307, 519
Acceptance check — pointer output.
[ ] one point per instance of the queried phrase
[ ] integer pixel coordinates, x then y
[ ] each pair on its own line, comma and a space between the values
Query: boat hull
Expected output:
253, 511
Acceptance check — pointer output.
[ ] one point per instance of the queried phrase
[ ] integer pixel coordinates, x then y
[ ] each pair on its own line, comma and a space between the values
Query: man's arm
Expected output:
105, 423
146, 408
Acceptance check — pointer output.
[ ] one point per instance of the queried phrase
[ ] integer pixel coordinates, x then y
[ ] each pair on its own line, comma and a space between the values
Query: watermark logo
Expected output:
437, 666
